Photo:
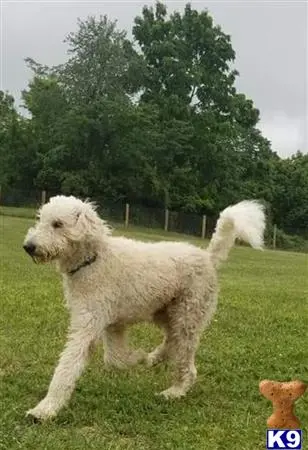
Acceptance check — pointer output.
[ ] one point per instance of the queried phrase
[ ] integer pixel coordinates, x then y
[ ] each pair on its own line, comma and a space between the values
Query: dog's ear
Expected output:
88, 222
87, 219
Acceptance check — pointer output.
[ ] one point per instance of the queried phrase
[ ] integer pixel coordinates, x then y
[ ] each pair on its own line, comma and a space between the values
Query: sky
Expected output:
270, 39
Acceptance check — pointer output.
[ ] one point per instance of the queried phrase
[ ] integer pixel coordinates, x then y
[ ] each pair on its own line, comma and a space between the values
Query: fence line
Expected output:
274, 236
127, 214
203, 226
166, 225
136, 215
43, 197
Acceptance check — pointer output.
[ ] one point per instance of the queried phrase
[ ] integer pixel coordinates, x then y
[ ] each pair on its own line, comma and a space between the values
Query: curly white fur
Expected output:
171, 284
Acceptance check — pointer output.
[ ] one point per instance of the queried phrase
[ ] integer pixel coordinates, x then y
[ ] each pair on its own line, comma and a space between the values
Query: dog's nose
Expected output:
29, 248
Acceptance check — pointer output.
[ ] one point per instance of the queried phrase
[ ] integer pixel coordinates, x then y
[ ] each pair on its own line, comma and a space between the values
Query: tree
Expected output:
7, 116
290, 199
188, 76
76, 108
17, 165
47, 104
161, 124
102, 62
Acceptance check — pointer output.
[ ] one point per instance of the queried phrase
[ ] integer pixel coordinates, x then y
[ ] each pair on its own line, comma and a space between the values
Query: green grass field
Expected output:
259, 331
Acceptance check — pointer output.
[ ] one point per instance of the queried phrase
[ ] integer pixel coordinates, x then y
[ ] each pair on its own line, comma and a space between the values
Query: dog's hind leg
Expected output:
187, 318
117, 353
160, 353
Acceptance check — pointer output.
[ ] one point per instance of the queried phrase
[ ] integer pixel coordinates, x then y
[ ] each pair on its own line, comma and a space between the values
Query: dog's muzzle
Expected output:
30, 249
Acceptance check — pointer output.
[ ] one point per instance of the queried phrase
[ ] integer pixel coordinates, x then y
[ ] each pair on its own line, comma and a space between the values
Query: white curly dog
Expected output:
112, 282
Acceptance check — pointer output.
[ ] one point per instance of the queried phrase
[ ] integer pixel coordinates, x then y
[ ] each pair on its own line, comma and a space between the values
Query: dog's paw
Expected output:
172, 392
130, 359
43, 411
137, 357
154, 358
151, 360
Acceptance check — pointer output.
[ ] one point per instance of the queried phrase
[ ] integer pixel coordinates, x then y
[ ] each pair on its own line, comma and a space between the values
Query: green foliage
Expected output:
290, 199
291, 242
102, 62
188, 76
7, 136
17, 147
155, 120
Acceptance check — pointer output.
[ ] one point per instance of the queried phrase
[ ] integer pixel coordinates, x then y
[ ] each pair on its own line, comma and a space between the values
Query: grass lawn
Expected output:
259, 331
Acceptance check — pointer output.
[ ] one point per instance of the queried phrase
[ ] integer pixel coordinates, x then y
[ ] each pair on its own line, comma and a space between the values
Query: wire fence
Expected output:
25, 202
121, 213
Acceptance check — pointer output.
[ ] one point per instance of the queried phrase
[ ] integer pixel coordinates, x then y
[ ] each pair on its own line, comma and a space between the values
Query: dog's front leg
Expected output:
70, 367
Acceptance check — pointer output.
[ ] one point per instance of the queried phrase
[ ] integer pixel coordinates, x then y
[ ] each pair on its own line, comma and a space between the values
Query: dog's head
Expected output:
62, 223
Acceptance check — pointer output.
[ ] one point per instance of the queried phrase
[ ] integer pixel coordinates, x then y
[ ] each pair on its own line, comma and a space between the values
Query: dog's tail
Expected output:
245, 221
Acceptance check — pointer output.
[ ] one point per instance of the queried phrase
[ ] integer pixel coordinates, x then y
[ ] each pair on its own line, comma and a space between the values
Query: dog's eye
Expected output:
57, 224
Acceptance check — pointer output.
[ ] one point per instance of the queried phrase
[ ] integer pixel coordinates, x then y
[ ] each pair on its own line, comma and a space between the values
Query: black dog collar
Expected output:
87, 262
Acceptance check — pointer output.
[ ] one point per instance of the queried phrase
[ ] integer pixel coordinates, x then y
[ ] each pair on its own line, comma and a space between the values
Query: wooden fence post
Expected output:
43, 197
203, 226
166, 219
274, 236
126, 215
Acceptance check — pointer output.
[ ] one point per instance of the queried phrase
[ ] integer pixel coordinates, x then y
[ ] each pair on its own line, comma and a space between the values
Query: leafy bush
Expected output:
285, 241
